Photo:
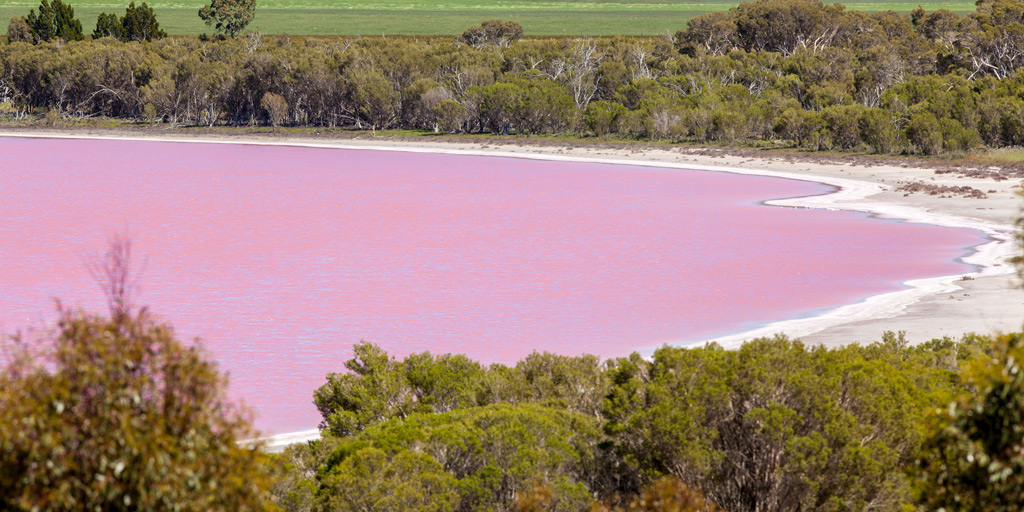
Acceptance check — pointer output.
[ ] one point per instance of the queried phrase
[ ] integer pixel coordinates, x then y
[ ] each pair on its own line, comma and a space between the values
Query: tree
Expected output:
475, 458
121, 414
492, 32
924, 132
973, 458
785, 26
375, 97
228, 16
993, 35
371, 481
878, 131
495, 105
108, 25
580, 73
542, 105
378, 388
117, 414
712, 32
19, 31
776, 425
449, 115
602, 117
140, 23
276, 107
53, 21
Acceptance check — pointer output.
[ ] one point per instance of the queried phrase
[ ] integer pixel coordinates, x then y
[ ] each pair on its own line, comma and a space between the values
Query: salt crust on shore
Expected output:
989, 300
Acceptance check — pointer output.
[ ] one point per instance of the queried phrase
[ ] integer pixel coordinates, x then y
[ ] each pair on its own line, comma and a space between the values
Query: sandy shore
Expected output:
989, 300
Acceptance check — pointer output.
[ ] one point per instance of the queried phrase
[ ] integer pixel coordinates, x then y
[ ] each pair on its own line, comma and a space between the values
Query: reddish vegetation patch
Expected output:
991, 173
931, 189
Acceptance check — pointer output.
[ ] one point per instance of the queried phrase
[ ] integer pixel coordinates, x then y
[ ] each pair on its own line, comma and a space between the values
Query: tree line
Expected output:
56, 22
792, 72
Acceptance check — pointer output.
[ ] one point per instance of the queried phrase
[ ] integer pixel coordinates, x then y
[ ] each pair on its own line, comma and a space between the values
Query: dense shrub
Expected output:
774, 426
118, 415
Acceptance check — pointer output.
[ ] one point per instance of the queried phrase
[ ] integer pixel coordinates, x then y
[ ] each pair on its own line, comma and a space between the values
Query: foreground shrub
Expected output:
665, 494
480, 458
973, 458
777, 425
773, 426
116, 414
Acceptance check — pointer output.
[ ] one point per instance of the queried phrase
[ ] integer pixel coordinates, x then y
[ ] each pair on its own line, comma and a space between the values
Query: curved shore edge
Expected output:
989, 259
277, 443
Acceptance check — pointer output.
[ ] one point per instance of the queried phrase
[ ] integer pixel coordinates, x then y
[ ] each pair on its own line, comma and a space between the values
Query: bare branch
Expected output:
114, 275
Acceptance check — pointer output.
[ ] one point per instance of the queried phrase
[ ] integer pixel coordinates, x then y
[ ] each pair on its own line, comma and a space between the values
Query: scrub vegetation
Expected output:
773, 426
783, 73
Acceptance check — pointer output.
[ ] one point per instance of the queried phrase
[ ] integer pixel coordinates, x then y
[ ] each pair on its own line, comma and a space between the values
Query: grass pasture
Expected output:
444, 17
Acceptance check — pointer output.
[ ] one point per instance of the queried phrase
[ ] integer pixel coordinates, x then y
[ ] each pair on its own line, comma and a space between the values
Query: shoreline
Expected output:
984, 300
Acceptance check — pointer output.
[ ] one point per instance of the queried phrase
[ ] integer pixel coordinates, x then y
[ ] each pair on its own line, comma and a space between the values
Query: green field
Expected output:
442, 17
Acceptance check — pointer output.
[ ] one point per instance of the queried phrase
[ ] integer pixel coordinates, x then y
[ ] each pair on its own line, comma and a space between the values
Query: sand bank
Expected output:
277, 444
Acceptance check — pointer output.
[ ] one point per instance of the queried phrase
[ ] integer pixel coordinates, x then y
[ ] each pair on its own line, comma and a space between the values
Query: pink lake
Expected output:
281, 258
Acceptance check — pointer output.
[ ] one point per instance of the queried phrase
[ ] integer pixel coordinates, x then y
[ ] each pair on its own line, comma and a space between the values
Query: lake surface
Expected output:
281, 258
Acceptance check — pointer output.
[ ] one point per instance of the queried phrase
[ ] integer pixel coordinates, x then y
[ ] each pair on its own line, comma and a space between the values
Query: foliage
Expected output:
228, 16
665, 494
276, 107
118, 415
924, 133
294, 473
137, 24
379, 388
450, 115
371, 480
476, 458
492, 32
973, 456
775, 425
53, 118
109, 25
56, 20
18, 30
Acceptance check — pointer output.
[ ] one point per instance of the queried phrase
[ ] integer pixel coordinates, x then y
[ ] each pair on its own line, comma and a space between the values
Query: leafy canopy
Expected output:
973, 457
377, 387
56, 20
137, 24
478, 458
116, 414
777, 425
228, 16
492, 32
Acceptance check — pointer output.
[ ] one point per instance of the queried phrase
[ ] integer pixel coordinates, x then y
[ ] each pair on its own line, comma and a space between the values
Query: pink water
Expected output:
281, 258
